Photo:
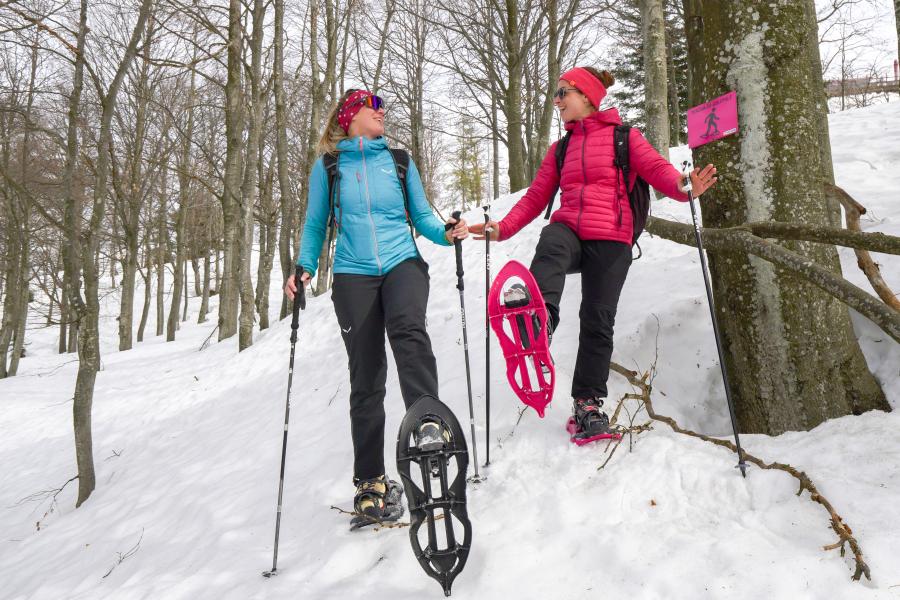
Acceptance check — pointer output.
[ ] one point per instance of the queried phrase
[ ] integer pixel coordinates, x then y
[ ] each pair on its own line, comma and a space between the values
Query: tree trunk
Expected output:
656, 89
231, 194
268, 234
204, 299
76, 310
145, 311
63, 317
897, 25
513, 100
162, 234
88, 308
286, 199
250, 187
538, 145
195, 264
676, 137
790, 350
184, 186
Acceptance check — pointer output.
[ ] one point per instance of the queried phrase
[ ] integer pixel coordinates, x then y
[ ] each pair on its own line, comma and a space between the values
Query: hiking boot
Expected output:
517, 295
369, 499
432, 436
377, 500
590, 420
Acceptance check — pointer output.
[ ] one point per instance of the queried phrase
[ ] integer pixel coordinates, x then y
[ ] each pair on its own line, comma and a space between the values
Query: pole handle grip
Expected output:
299, 299
457, 243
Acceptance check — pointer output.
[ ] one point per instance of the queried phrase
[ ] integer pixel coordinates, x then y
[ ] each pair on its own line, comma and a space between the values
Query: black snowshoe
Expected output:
377, 501
432, 458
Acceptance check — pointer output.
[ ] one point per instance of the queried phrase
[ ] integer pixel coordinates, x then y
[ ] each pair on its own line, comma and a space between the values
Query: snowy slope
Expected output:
187, 446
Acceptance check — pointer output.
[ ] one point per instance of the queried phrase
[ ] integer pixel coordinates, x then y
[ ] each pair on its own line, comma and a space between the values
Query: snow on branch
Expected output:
845, 534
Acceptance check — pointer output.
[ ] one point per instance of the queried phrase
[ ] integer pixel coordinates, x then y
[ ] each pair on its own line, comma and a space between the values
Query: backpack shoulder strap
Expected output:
560, 154
330, 160
401, 165
622, 160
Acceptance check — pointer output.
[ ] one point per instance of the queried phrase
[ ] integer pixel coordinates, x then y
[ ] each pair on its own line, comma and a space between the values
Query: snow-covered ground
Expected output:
187, 444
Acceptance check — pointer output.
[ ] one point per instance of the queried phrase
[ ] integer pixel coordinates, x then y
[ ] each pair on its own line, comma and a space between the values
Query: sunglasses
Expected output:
561, 92
372, 101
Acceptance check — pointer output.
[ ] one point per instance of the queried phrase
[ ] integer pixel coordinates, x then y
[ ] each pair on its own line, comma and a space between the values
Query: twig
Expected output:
334, 395
512, 431
206, 341
843, 531
128, 554
380, 524
43, 495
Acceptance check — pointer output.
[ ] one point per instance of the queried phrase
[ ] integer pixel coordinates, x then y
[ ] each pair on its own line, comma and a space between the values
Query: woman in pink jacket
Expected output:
591, 232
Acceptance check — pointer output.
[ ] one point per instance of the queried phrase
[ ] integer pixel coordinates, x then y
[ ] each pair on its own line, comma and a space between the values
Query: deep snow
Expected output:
187, 446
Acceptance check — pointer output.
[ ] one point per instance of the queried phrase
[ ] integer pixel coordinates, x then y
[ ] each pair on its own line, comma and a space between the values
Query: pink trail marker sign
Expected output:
712, 121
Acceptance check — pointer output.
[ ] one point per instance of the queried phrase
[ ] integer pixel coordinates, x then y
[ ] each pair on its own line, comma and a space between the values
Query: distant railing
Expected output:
852, 86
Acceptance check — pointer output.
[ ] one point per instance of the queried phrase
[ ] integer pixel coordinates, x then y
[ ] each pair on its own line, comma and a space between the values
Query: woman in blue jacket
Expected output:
380, 280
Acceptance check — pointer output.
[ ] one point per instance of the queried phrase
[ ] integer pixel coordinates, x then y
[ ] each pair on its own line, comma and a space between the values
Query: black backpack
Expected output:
638, 197
330, 161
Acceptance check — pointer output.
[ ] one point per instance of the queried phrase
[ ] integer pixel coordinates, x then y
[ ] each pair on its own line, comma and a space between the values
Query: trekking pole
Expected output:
299, 303
462, 307
487, 336
712, 312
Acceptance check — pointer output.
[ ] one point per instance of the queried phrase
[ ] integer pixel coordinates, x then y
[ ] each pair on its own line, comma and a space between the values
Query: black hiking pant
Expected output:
366, 307
603, 266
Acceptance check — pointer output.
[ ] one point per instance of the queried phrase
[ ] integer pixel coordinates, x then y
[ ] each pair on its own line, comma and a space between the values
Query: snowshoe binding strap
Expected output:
377, 501
432, 458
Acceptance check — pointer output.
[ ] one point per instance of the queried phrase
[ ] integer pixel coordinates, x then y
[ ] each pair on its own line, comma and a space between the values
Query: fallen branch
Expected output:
380, 524
733, 240
843, 531
853, 210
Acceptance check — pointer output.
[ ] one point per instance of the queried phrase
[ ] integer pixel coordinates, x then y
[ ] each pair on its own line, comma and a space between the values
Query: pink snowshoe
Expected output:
519, 319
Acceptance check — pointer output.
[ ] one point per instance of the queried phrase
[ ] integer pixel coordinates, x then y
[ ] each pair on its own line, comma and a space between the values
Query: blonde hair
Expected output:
333, 132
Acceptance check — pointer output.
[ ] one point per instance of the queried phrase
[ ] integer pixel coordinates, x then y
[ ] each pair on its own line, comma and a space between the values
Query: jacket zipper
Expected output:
369, 204
584, 183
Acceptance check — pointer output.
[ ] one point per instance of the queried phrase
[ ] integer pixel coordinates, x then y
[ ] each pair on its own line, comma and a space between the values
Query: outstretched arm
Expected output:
317, 214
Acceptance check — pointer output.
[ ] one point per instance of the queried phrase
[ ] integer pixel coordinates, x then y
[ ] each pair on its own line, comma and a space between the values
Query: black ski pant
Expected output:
603, 266
366, 307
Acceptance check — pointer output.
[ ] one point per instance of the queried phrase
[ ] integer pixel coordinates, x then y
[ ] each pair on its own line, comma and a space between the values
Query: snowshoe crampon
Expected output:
432, 459
372, 513
518, 317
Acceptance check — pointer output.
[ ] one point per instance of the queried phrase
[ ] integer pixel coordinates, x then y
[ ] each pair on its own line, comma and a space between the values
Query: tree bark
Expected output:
162, 234
204, 298
184, 196
286, 199
513, 98
231, 193
790, 350
656, 87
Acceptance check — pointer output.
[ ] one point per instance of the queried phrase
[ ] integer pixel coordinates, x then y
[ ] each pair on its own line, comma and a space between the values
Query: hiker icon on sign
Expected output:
712, 127
712, 124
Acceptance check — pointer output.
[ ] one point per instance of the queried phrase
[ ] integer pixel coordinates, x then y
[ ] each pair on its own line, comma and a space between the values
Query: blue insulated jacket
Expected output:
373, 236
